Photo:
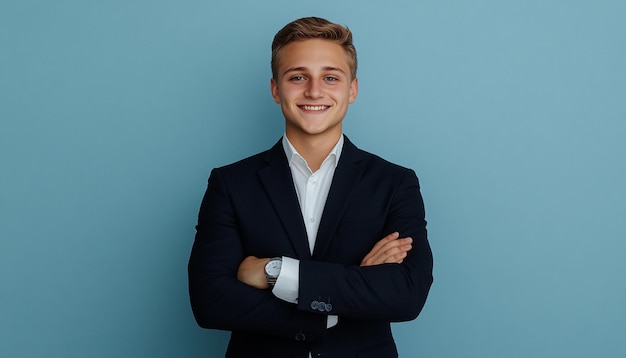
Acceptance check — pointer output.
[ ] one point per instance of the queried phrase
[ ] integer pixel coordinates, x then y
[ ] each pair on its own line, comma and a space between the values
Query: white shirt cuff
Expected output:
288, 281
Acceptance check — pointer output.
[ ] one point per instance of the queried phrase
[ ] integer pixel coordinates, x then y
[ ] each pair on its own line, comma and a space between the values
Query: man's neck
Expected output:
314, 149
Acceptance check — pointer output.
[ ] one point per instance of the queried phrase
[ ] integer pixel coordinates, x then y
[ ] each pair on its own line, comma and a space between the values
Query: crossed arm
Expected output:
390, 249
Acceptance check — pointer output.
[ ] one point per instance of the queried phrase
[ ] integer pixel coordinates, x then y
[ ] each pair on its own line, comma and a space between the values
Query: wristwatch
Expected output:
272, 269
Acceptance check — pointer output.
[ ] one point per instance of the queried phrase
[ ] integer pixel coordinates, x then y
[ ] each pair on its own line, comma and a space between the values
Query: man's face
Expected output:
313, 87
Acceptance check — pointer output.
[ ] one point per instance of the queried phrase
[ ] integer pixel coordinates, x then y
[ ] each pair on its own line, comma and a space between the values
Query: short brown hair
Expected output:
313, 28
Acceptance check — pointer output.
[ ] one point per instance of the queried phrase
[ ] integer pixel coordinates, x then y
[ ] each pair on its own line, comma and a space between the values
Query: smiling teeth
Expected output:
314, 108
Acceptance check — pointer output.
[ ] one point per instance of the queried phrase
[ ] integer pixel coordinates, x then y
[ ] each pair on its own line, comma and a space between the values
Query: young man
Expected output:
311, 248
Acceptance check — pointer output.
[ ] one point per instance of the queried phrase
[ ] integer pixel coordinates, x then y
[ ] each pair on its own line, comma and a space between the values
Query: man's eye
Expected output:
297, 78
331, 79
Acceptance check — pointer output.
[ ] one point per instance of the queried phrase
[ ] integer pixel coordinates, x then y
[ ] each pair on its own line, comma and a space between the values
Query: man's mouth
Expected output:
314, 108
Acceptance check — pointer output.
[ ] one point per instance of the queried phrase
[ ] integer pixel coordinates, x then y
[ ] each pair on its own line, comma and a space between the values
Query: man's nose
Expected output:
313, 90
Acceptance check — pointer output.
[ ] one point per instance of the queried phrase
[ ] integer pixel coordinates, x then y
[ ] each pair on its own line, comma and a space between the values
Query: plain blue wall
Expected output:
513, 114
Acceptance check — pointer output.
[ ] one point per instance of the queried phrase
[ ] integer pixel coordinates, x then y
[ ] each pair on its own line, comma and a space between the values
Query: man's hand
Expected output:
390, 249
252, 272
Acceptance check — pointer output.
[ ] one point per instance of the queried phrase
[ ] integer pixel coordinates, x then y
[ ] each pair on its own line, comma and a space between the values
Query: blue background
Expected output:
513, 114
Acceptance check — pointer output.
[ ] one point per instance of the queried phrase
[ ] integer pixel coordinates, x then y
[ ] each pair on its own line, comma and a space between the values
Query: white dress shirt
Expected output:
312, 190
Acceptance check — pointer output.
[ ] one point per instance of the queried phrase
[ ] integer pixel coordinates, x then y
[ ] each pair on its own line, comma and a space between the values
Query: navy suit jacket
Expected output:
251, 208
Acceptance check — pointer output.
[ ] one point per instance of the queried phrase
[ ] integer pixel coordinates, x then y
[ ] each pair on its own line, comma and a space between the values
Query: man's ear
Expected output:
354, 90
274, 89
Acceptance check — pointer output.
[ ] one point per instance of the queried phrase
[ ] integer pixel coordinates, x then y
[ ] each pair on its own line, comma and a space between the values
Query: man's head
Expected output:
314, 78
313, 28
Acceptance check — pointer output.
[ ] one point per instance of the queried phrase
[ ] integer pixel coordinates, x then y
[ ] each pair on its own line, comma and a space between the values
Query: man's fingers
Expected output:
389, 238
388, 250
393, 247
377, 247
394, 253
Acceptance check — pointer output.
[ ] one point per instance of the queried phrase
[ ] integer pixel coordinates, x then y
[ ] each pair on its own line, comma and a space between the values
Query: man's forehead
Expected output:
314, 54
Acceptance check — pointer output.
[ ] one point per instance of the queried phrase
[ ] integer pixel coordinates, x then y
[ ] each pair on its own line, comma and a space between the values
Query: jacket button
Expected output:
329, 307
314, 305
321, 307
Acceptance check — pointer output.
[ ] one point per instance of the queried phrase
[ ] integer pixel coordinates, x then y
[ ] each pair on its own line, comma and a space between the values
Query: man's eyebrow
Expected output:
294, 69
305, 69
331, 68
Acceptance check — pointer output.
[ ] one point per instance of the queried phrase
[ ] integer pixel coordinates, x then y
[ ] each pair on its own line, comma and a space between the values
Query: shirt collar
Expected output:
291, 152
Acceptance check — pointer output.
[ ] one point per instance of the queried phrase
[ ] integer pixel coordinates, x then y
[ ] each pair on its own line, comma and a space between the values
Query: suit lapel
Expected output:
347, 174
278, 182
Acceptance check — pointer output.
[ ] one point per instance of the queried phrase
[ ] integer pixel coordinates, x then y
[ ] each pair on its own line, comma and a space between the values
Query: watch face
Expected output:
273, 268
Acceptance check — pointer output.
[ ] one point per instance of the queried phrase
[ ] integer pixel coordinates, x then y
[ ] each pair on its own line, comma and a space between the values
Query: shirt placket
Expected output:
311, 198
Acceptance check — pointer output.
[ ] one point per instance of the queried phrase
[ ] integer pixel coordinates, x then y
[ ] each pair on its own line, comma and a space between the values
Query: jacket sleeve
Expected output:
218, 299
389, 292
